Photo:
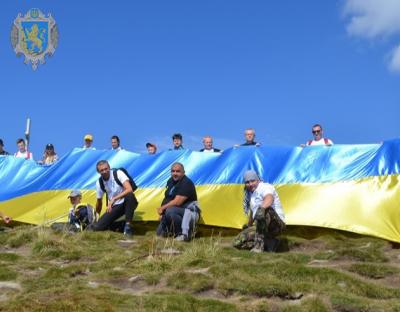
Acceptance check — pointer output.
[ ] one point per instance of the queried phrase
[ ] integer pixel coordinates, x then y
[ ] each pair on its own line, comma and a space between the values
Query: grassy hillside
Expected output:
41, 270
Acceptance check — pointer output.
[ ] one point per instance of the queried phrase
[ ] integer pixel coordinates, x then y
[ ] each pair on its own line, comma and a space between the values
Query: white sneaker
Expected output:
180, 238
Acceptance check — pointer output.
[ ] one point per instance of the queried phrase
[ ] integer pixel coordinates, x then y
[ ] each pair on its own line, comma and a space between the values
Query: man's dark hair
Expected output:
20, 141
177, 136
316, 125
102, 162
115, 137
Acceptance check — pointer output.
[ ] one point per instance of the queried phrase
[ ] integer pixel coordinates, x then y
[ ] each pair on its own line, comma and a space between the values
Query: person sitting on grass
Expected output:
261, 202
179, 209
121, 200
80, 215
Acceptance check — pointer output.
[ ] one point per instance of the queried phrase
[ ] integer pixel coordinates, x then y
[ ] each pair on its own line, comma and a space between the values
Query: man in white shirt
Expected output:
121, 200
261, 203
319, 139
22, 150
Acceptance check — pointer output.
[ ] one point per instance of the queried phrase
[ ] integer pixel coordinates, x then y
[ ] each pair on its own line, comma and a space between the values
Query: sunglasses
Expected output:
316, 131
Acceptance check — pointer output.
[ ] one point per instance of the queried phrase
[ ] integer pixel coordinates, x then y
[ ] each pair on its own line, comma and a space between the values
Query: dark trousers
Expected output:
127, 207
171, 221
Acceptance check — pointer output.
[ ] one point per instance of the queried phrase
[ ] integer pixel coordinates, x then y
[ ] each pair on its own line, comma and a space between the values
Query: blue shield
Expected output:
35, 36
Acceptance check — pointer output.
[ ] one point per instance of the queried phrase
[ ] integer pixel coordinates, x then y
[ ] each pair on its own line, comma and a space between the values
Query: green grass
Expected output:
89, 271
373, 271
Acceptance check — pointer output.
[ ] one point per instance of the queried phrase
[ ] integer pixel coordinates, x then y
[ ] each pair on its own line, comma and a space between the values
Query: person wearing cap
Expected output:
266, 217
179, 210
151, 148
121, 200
88, 142
115, 143
208, 145
318, 134
5, 218
81, 215
2, 151
22, 150
177, 142
49, 155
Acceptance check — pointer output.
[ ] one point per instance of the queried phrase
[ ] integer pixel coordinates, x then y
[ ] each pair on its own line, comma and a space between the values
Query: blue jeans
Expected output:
171, 221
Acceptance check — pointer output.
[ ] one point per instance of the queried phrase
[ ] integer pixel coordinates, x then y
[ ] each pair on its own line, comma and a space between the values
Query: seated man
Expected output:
121, 200
179, 210
81, 215
262, 204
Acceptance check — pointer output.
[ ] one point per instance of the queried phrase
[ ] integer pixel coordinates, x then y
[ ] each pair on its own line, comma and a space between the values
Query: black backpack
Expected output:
115, 175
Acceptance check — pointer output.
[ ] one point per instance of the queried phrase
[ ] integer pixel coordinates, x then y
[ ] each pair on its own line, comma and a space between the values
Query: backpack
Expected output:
115, 175
82, 216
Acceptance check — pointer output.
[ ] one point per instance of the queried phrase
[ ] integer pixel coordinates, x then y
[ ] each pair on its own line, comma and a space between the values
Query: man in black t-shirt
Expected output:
179, 196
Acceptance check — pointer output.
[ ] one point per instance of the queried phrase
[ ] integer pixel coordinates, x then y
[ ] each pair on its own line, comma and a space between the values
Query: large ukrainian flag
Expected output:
349, 187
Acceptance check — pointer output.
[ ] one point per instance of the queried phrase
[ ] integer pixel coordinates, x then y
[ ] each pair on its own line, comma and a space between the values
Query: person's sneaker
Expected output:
182, 238
128, 231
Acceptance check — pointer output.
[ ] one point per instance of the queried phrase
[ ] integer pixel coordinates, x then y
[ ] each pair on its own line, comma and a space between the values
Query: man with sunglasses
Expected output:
266, 217
179, 210
318, 137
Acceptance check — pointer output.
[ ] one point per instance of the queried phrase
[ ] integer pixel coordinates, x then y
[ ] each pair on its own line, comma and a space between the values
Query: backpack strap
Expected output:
103, 188
326, 141
309, 142
101, 183
115, 175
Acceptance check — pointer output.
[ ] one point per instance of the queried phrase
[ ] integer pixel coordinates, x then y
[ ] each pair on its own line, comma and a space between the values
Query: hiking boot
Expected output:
128, 231
258, 244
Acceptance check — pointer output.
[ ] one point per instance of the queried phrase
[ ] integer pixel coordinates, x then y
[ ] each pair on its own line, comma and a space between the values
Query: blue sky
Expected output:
146, 69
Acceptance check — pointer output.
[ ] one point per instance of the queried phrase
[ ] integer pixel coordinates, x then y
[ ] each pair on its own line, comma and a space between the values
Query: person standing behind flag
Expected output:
319, 139
22, 150
88, 138
2, 151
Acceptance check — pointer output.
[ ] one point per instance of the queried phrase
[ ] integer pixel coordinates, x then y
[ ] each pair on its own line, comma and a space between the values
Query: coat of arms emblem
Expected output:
34, 35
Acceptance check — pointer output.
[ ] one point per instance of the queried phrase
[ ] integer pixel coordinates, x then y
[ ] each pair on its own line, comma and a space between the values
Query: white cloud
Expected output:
373, 18
394, 62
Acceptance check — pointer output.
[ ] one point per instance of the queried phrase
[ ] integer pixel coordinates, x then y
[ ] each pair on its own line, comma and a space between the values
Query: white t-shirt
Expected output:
26, 155
257, 197
112, 187
320, 142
